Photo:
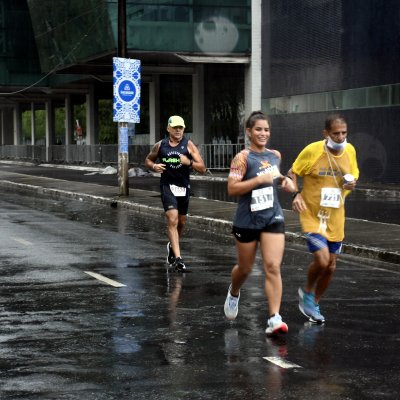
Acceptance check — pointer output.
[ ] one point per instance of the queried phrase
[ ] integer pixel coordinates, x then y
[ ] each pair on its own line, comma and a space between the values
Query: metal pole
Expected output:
123, 157
122, 28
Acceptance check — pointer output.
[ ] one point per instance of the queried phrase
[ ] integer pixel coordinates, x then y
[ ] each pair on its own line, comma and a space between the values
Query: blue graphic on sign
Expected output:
126, 82
126, 91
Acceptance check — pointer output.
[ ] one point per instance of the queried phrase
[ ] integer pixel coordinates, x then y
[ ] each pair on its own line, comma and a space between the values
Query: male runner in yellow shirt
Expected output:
329, 171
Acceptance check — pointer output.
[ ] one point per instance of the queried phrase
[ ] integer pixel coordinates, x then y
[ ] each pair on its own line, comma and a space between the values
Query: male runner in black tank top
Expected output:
176, 156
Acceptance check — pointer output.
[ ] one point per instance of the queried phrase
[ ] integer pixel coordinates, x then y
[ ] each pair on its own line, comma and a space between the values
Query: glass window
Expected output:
335, 100
354, 98
395, 94
318, 102
224, 102
280, 105
201, 26
299, 104
74, 31
175, 99
378, 96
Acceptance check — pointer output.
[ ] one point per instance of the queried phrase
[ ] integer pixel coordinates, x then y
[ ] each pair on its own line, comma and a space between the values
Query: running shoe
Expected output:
231, 307
171, 255
309, 307
179, 265
317, 317
275, 325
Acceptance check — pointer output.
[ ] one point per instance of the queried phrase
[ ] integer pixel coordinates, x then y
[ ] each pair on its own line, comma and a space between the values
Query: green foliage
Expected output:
108, 130
26, 125
40, 125
59, 125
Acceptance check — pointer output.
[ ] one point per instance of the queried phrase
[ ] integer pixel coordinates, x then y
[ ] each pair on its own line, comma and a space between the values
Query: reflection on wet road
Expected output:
65, 334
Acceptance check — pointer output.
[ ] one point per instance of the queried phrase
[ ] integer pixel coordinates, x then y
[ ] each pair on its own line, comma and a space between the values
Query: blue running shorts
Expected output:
317, 242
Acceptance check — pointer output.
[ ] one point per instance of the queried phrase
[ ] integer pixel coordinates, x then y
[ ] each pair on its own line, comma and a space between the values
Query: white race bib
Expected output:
178, 191
262, 199
330, 197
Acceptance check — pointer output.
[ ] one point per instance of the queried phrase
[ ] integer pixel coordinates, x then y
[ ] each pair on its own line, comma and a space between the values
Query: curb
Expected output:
211, 225
383, 192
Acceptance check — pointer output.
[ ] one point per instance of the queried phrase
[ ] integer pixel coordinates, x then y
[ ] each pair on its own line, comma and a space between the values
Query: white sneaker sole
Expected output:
310, 318
282, 328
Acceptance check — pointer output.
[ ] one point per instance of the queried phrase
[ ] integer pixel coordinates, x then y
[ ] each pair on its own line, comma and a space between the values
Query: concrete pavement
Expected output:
372, 240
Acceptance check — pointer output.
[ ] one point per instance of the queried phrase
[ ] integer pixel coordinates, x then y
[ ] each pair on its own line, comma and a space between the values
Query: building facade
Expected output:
195, 56
211, 62
322, 57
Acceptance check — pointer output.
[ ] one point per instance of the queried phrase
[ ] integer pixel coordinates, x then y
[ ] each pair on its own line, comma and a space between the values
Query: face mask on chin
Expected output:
336, 146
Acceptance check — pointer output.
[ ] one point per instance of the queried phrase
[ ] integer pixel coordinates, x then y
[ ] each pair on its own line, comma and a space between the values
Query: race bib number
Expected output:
262, 199
330, 197
178, 191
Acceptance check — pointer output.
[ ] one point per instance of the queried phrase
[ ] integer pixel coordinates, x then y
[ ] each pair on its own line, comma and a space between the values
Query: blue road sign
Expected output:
126, 78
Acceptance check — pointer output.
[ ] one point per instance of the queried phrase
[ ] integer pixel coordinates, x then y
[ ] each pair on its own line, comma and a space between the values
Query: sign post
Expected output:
126, 78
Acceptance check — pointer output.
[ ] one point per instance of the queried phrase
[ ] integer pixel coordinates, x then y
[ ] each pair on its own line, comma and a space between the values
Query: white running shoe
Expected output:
231, 306
276, 325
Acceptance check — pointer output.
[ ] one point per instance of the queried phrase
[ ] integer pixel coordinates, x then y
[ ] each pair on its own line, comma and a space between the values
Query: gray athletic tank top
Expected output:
260, 207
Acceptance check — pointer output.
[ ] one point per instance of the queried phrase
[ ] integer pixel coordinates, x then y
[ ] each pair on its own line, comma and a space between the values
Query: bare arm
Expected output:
238, 188
150, 161
298, 204
288, 185
198, 163
236, 185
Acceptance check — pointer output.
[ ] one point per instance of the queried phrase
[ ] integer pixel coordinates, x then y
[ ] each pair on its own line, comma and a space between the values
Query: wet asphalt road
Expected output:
67, 335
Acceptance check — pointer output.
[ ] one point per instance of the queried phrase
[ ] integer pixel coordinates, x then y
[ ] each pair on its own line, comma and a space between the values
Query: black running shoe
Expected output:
179, 265
171, 255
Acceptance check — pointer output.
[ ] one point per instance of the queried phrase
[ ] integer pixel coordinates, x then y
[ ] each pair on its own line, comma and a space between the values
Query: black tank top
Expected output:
175, 172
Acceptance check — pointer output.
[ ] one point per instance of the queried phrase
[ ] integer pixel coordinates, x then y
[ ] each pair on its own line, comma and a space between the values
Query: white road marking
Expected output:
281, 362
22, 241
104, 279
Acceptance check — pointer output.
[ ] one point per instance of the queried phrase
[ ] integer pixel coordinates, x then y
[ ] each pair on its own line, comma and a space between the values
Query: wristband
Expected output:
295, 194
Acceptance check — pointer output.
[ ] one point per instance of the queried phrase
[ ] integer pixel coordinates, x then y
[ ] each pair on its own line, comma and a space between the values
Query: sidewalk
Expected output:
372, 240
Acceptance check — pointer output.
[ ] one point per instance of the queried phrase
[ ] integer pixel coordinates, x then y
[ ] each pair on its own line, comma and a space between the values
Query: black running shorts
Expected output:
244, 235
171, 202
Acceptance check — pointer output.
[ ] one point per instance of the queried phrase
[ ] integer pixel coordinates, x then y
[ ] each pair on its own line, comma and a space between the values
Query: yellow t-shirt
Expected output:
323, 191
